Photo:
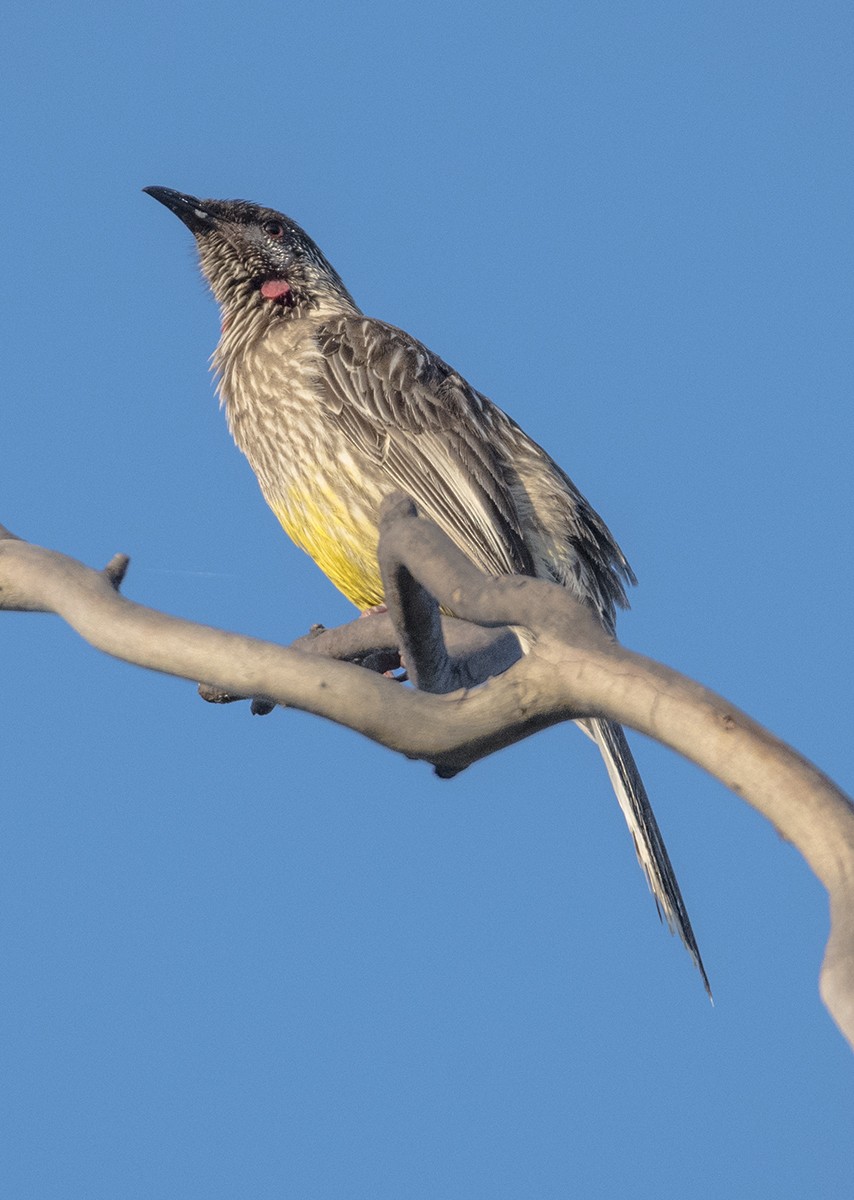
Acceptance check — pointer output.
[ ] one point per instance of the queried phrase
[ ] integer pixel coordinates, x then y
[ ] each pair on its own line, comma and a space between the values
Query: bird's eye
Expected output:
274, 229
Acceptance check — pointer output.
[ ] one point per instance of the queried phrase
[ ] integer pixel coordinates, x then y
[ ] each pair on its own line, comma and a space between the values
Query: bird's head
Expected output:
257, 260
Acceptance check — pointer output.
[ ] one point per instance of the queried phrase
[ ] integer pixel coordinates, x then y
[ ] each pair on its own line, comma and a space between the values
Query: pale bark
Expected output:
475, 692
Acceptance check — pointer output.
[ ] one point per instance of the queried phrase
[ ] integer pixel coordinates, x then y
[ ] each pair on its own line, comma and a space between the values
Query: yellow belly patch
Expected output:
342, 541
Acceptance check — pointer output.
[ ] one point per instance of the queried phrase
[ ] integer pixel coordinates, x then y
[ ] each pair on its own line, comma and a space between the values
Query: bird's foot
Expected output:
374, 611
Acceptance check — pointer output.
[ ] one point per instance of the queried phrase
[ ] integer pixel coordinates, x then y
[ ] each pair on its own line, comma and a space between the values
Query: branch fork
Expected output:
475, 691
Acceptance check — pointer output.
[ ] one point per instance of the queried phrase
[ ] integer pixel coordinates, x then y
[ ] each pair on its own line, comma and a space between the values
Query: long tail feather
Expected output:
649, 844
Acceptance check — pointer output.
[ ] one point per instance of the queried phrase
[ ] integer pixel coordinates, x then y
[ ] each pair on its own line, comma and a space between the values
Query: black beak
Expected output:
188, 208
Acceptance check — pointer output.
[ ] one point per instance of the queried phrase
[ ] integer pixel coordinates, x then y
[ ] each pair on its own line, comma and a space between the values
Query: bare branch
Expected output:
419, 629
573, 669
412, 722
415, 614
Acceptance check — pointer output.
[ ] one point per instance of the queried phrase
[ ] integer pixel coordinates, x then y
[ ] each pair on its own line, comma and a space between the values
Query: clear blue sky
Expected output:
264, 958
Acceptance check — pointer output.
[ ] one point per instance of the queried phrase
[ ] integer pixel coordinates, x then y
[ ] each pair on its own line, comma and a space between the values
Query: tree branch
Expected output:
484, 694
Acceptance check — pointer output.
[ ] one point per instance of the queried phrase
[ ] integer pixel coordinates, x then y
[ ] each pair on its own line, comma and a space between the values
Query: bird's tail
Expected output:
649, 844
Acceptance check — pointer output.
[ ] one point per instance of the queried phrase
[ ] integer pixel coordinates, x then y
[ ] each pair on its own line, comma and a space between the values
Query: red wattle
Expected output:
274, 289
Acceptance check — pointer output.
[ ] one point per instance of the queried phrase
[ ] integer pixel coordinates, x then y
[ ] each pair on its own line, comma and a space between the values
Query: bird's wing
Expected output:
568, 539
428, 431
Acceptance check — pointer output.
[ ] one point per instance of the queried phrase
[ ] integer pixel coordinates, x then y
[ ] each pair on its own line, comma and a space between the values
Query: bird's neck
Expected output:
244, 325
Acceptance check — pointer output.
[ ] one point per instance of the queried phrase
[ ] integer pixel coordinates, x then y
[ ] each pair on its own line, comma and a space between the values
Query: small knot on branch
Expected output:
116, 569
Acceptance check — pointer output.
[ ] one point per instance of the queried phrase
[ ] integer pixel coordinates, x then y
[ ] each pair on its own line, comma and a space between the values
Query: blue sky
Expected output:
244, 957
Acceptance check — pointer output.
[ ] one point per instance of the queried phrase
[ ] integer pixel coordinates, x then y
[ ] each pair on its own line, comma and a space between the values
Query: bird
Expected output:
335, 410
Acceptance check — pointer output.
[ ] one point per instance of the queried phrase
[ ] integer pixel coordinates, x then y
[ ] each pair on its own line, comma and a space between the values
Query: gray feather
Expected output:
649, 844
